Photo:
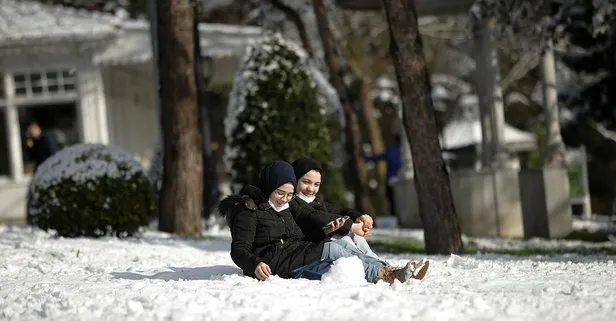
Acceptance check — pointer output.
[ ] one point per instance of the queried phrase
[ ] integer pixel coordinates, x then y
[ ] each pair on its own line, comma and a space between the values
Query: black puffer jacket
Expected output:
310, 215
262, 235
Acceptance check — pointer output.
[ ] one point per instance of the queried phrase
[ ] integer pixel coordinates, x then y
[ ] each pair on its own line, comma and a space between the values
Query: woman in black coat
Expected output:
308, 174
266, 239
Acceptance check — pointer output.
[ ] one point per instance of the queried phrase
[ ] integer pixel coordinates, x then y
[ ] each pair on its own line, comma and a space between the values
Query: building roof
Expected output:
463, 133
25, 22
217, 41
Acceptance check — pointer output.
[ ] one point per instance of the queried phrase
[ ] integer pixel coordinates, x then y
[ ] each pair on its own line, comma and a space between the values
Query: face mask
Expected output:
278, 209
307, 199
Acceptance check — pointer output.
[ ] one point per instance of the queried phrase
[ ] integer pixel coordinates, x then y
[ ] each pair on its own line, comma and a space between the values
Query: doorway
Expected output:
58, 119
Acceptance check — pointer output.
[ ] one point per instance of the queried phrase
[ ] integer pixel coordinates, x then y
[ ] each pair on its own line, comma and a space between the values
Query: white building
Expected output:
87, 77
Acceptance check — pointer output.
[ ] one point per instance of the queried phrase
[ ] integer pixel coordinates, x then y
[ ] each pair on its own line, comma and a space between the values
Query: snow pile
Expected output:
347, 271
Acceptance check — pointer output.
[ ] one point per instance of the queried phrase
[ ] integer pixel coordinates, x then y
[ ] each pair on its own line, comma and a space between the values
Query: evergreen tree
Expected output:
592, 39
276, 112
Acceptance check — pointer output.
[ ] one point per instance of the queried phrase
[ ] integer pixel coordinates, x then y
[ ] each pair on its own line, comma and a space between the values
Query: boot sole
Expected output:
422, 271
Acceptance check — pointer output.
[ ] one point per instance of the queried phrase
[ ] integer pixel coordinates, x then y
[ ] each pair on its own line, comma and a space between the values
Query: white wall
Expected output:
132, 116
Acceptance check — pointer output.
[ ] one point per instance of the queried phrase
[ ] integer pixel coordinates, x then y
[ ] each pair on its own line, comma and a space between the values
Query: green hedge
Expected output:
91, 190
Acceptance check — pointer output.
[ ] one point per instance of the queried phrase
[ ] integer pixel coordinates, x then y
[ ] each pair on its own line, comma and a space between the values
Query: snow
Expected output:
132, 44
163, 277
102, 160
29, 20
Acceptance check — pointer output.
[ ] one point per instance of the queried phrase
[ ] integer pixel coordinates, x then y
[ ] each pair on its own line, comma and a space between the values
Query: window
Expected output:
45, 83
21, 85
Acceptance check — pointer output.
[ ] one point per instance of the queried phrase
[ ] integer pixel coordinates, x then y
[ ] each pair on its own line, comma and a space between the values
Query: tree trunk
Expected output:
295, 17
554, 146
352, 131
440, 220
182, 190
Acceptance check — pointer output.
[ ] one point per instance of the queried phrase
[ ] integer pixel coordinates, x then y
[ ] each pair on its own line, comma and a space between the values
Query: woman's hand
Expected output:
358, 228
335, 225
263, 271
368, 224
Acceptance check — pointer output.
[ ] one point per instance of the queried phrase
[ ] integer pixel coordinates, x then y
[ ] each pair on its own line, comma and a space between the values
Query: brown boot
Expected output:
415, 270
420, 269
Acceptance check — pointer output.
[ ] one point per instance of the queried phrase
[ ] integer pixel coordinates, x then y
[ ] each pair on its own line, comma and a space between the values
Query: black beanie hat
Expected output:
274, 175
301, 166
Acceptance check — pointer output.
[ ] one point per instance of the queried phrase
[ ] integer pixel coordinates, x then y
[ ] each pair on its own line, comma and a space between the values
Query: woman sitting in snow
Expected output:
267, 241
308, 174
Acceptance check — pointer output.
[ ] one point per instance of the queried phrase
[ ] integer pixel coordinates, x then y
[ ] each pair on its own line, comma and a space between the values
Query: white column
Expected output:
13, 129
103, 121
491, 94
92, 110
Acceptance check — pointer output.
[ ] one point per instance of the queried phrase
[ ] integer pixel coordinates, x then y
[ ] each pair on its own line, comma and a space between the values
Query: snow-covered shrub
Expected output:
91, 190
275, 112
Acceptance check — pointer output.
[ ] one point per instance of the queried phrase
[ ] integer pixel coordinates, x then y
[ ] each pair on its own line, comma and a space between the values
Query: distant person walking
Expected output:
41, 144
393, 158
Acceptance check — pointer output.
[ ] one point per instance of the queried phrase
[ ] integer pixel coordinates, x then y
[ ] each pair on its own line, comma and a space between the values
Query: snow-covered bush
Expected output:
91, 190
275, 112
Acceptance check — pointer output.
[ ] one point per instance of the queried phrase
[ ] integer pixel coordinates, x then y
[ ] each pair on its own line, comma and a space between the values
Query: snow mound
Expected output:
347, 271
456, 261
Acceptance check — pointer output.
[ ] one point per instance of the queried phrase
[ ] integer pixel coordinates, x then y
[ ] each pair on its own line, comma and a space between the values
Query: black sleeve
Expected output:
307, 216
242, 237
352, 213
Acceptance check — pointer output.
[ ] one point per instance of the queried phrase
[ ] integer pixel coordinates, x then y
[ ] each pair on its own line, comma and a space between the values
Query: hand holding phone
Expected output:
335, 224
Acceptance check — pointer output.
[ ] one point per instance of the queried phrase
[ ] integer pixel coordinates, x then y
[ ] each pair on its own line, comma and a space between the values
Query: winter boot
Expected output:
415, 270
420, 269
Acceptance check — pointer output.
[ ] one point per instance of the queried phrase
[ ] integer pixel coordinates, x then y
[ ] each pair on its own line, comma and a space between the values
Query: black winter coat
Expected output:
260, 234
326, 211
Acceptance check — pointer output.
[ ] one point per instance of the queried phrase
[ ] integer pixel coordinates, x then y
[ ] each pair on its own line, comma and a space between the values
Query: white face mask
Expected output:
278, 209
307, 199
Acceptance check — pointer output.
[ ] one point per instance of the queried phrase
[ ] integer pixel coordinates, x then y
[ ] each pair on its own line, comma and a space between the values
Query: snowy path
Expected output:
162, 278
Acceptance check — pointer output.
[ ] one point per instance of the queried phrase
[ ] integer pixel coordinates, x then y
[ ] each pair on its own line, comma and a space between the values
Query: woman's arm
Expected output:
243, 232
307, 216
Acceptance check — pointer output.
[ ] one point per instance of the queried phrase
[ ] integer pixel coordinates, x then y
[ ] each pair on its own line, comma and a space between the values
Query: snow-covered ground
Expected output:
160, 277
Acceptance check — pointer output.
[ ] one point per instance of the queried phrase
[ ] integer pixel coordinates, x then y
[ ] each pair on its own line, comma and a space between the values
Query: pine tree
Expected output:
593, 54
276, 112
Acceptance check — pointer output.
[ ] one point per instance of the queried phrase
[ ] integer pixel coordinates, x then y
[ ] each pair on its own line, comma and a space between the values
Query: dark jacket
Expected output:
314, 213
259, 234
43, 147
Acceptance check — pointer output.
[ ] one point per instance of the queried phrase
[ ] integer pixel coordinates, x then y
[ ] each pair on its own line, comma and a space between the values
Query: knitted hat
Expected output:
301, 166
274, 175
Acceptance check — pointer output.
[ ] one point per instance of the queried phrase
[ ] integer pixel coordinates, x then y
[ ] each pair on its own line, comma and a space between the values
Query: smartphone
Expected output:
344, 218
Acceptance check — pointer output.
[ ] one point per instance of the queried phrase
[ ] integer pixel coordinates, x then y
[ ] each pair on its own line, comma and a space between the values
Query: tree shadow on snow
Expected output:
214, 272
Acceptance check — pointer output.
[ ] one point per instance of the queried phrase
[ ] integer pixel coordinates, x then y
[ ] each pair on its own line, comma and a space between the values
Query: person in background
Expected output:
393, 158
40, 144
